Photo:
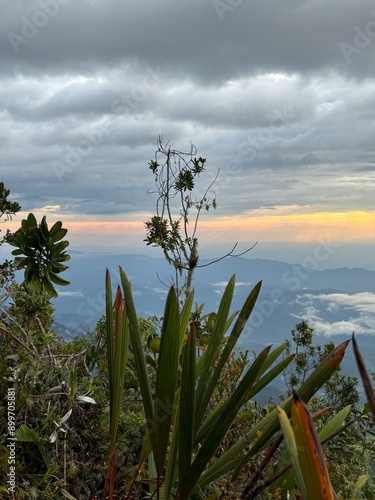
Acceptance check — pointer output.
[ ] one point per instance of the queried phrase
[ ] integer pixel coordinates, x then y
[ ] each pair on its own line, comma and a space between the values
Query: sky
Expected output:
278, 95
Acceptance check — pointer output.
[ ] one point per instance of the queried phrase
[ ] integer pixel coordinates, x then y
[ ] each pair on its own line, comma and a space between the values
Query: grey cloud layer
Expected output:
190, 37
280, 95
358, 310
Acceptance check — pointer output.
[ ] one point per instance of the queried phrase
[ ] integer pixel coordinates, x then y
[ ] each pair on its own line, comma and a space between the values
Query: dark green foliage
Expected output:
52, 382
341, 390
52, 377
306, 355
185, 181
7, 208
162, 234
41, 253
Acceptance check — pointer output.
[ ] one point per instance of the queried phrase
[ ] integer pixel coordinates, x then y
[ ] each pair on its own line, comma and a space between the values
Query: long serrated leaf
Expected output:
166, 377
253, 389
139, 358
121, 343
152, 473
311, 459
286, 480
240, 323
202, 394
266, 428
172, 458
223, 421
271, 374
334, 423
257, 387
109, 330
229, 346
185, 317
366, 381
273, 357
309, 387
293, 450
186, 411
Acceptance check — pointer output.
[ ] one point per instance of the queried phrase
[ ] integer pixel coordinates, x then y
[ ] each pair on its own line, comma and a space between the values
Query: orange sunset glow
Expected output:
345, 227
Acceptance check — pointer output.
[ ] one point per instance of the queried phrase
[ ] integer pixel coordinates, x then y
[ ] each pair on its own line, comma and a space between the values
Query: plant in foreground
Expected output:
184, 429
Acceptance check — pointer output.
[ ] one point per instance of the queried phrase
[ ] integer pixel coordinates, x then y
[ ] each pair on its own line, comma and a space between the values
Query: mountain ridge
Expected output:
283, 285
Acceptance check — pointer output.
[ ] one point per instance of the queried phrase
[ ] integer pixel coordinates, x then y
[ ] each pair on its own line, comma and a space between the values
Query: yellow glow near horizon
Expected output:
259, 225
355, 226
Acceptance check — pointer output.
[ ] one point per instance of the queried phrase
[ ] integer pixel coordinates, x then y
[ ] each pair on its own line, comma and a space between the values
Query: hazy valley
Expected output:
335, 302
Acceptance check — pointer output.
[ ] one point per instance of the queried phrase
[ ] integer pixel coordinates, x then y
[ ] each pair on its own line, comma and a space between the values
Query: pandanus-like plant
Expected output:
184, 430
304, 443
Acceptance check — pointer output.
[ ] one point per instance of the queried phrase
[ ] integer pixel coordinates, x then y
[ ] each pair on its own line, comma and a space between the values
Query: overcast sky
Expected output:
279, 94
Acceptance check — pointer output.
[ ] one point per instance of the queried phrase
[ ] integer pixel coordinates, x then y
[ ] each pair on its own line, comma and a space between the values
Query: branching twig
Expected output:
171, 228
229, 254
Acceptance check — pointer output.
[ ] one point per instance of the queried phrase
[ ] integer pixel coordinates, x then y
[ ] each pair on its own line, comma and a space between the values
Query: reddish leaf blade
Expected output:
365, 378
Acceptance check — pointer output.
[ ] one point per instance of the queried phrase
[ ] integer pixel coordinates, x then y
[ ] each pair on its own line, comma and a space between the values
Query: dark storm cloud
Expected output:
204, 40
280, 95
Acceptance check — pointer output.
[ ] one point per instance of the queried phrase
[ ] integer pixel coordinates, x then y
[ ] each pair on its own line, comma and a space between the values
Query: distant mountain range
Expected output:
335, 302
